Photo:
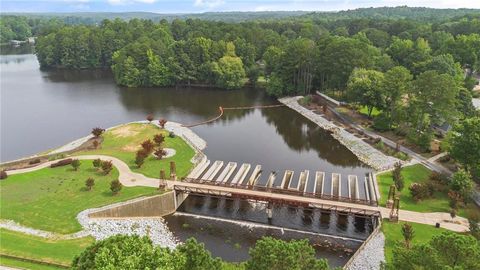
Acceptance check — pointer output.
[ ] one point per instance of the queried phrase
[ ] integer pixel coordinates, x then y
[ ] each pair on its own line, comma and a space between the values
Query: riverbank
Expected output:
364, 152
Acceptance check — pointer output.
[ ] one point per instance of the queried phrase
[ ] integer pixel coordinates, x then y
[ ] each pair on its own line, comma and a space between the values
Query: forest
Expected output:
415, 65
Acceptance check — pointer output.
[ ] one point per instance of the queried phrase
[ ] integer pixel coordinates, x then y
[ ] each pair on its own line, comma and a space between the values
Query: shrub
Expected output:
420, 191
115, 187
62, 162
160, 153
150, 118
54, 157
381, 122
34, 161
75, 164
171, 134
89, 183
316, 99
3, 174
97, 163
148, 146
158, 139
140, 157
162, 122
97, 132
107, 167
380, 145
401, 156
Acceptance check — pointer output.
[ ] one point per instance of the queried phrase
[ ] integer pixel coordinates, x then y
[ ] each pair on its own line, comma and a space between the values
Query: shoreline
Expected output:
362, 150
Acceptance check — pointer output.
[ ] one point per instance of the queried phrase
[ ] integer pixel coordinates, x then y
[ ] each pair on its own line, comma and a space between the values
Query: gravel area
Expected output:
364, 151
371, 255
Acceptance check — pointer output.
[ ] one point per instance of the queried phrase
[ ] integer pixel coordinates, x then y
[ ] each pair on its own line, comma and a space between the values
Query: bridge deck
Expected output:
273, 195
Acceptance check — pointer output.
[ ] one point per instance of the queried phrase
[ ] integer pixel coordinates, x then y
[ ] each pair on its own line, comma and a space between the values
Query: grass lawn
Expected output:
364, 110
419, 174
33, 247
50, 198
123, 142
25, 265
393, 235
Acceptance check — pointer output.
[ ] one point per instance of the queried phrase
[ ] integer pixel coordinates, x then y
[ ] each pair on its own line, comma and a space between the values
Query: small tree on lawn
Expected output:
97, 132
160, 153
107, 167
97, 163
148, 146
408, 234
158, 139
75, 164
397, 176
89, 183
115, 187
162, 122
150, 118
140, 157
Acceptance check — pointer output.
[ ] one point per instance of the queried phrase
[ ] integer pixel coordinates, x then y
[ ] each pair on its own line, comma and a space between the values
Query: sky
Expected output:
198, 6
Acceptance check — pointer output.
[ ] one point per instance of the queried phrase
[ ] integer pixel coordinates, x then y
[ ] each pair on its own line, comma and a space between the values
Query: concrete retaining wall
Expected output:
155, 206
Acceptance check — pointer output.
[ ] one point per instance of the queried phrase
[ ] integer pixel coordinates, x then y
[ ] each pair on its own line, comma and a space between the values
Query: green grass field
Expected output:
364, 110
123, 142
50, 199
38, 248
393, 235
4, 261
419, 174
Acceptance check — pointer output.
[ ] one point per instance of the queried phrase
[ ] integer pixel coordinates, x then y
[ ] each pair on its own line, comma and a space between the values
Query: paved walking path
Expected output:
130, 179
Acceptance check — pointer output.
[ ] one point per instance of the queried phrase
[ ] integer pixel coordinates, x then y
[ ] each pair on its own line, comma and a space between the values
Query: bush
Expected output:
54, 157
89, 183
171, 134
420, 191
107, 167
148, 146
97, 132
381, 122
97, 163
380, 145
115, 187
401, 156
62, 162
162, 122
34, 161
3, 174
75, 164
158, 139
150, 118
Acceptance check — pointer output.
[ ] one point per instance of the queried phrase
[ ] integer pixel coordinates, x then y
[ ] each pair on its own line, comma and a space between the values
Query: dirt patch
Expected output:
131, 147
126, 131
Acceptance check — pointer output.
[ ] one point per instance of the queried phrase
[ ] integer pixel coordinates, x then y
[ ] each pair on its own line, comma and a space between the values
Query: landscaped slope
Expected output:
50, 199
418, 173
123, 142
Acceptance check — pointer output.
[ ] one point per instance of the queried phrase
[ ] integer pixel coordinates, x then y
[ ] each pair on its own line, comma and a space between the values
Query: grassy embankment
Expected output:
419, 174
123, 142
393, 235
37, 248
50, 199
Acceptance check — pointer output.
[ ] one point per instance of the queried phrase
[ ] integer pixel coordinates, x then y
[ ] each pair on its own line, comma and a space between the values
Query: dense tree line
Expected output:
295, 55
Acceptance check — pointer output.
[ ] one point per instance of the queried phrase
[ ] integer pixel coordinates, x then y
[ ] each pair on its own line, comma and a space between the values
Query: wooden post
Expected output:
162, 175
395, 209
173, 170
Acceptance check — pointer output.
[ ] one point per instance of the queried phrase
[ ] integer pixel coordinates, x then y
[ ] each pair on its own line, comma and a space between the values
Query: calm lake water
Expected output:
41, 110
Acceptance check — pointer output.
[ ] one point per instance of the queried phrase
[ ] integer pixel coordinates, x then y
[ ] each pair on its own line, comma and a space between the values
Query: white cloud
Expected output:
208, 3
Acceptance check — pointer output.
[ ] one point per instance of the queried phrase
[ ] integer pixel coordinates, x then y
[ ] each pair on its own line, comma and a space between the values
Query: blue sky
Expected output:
196, 6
